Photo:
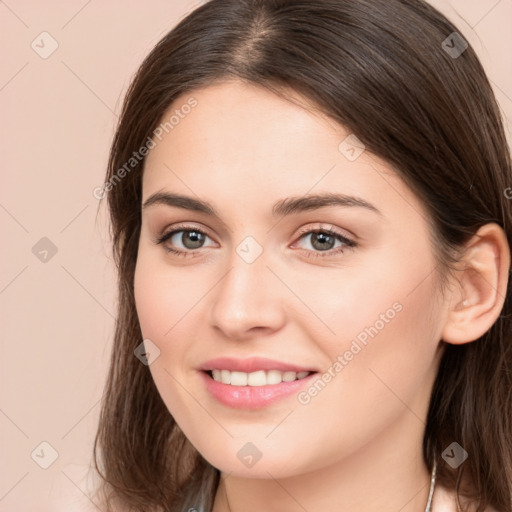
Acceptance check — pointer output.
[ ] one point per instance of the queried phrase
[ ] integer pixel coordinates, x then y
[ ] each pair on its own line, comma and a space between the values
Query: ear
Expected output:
480, 293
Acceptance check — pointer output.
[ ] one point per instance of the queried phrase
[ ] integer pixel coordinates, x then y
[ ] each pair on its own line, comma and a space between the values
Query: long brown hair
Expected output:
384, 70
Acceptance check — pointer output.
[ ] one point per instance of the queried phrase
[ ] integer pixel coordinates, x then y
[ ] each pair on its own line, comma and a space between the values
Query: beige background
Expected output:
58, 115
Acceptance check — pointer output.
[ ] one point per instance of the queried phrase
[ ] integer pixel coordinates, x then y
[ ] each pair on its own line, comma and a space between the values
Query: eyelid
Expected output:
307, 229
180, 227
322, 226
348, 241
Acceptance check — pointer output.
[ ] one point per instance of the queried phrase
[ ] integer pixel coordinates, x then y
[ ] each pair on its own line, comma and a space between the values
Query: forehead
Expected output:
229, 119
243, 144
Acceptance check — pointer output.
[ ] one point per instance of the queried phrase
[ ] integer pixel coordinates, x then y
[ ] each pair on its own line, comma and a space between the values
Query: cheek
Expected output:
386, 347
384, 332
385, 299
162, 296
170, 308
152, 300
166, 302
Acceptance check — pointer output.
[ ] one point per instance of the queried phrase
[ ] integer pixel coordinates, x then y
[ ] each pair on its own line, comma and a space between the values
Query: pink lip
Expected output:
252, 364
252, 397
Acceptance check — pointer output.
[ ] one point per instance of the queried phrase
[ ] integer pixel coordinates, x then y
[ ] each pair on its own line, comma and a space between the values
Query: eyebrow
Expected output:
281, 208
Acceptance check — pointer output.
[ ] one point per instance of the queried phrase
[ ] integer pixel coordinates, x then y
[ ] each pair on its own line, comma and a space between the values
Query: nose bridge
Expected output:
247, 277
246, 295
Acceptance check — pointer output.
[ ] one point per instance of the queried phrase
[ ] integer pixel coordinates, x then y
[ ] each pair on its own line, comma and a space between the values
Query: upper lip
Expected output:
252, 364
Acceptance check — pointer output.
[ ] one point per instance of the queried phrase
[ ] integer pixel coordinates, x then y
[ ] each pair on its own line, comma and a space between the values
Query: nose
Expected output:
248, 300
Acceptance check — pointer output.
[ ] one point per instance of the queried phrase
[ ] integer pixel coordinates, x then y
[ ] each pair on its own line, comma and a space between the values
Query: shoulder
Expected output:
445, 500
75, 489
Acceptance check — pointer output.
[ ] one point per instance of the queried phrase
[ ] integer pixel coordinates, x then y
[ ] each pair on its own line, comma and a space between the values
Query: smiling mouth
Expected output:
257, 378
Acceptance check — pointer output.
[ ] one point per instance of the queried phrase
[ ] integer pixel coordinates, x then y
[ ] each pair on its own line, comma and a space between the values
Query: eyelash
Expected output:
348, 243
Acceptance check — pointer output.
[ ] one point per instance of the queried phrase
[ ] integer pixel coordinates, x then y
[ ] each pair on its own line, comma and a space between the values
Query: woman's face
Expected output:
360, 310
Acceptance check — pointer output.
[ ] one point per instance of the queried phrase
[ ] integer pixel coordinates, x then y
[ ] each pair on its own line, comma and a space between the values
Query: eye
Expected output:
190, 239
323, 240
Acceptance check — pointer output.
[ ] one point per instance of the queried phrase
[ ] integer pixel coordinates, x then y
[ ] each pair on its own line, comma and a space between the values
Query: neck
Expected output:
388, 474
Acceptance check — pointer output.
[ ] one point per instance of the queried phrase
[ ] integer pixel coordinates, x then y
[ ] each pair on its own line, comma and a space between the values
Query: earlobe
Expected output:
481, 289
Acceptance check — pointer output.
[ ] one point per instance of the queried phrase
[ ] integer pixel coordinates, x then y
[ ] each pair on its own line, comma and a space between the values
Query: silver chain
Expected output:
428, 508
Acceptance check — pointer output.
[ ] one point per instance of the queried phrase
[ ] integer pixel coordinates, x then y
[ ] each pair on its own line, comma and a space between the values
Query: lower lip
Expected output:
252, 397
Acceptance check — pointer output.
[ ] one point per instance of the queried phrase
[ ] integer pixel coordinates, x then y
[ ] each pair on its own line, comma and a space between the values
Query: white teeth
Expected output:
258, 378
289, 376
274, 377
238, 379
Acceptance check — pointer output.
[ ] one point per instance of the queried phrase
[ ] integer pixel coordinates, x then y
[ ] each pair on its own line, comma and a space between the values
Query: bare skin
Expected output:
356, 445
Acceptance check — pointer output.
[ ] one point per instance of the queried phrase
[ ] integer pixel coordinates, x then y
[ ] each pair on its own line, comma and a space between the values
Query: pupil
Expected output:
321, 237
195, 237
